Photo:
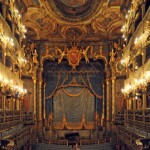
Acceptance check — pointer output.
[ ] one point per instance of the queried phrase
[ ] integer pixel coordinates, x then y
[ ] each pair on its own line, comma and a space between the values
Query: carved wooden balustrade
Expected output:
28, 118
128, 137
139, 119
20, 138
135, 118
10, 118
120, 118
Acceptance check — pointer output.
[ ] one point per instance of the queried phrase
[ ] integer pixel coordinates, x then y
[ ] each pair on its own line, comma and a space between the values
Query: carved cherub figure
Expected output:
112, 55
84, 52
62, 54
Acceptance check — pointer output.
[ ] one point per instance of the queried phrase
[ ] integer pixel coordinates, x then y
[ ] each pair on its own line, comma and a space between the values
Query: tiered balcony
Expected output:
18, 139
135, 118
128, 136
15, 126
139, 119
10, 118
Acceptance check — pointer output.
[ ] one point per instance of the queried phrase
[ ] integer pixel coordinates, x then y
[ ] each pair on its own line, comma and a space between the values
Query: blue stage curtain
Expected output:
59, 76
99, 106
73, 103
88, 76
52, 80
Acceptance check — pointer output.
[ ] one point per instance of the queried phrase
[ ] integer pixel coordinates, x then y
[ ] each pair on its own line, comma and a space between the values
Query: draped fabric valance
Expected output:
86, 75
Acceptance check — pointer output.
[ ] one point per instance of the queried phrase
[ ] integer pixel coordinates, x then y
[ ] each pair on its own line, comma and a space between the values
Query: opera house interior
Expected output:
74, 74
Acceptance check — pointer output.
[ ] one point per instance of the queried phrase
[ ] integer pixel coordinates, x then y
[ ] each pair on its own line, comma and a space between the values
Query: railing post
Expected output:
4, 116
143, 114
127, 117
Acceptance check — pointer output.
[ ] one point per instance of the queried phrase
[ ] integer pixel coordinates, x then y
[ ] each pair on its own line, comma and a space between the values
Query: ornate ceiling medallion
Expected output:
74, 3
73, 11
68, 32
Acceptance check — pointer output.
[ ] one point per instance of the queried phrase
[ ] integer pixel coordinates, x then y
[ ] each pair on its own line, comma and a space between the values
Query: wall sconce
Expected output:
17, 18
22, 61
125, 61
137, 84
6, 85
5, 40
147, 76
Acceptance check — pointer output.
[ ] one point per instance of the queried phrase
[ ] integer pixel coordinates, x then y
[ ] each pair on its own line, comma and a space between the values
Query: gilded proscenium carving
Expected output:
44, 110
34, 97
113, 97
103, 113
73, 55
100, 56
108, 99
39, 102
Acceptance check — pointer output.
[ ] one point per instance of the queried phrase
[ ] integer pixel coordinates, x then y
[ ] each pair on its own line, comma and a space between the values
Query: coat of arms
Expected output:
73, 55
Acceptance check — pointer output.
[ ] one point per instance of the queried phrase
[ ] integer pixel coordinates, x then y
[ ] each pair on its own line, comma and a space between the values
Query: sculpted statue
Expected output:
112, 56
62, 54
85, 54
35, 55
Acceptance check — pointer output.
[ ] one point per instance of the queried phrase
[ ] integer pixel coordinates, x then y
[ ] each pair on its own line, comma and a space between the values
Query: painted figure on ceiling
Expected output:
74, 3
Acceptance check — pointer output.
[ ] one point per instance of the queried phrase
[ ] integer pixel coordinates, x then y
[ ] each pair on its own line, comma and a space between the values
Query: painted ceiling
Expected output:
61, 20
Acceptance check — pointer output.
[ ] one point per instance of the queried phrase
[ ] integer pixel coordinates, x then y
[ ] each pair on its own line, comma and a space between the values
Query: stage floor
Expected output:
82, 133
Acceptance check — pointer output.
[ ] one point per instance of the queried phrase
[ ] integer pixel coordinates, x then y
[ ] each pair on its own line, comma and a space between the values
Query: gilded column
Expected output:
39, 102
108, 99
144, 105
4, 102
44, 111
34, 97
113, 98
103, 113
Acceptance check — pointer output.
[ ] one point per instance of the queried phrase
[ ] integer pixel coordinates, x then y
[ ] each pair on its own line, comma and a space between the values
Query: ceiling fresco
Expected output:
73, 11
61, 20
74, 3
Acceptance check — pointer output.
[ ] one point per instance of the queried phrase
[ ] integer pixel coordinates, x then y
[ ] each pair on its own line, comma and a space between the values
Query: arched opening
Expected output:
74, 98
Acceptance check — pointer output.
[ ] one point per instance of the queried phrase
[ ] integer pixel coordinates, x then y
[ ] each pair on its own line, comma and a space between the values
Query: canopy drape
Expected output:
58, 76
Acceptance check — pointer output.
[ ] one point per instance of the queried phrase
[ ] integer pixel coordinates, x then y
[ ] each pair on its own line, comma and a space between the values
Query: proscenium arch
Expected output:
46, 58
101, 64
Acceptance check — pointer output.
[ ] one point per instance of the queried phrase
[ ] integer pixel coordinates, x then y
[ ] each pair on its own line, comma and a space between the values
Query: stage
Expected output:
82, 133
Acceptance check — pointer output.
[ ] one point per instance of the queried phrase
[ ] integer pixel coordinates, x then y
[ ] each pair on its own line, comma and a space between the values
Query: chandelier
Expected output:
6, 41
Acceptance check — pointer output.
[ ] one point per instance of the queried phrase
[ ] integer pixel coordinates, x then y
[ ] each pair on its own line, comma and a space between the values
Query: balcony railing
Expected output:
28, 118
10, 118
128, 137
135, 118
19, 138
